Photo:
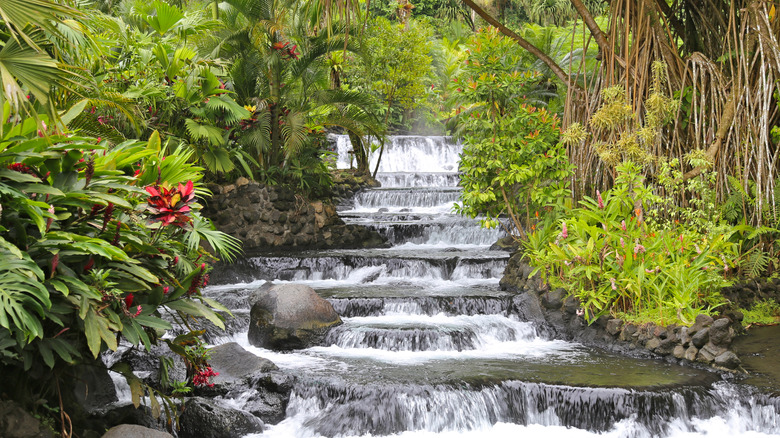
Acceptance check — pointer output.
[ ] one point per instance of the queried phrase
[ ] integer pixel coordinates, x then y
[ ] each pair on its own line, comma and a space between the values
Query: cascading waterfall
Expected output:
430, 347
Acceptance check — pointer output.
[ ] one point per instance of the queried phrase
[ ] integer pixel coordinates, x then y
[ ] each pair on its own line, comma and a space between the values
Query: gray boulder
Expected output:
202, 418
290, 316
134, 431
15, 422
234, 364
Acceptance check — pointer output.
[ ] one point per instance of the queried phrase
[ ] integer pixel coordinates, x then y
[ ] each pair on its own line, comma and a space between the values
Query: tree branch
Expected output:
595, 30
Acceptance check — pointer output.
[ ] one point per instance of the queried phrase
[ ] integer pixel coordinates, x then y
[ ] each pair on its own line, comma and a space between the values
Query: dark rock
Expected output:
701, 337
269, 397
666, 347
202, 418
233, 363
727, 360
614, 326
527, 307
507, 243
685, 337
553, 299
701, 322
652, 344
93, 387
290, 316
134, 431
721, 333
571, 304
15, 422
628, 332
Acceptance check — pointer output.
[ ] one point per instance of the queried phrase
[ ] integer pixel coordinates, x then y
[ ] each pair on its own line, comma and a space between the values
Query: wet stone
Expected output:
553, 299
701, 337
691, 353
727, 360
614, 326
721, 333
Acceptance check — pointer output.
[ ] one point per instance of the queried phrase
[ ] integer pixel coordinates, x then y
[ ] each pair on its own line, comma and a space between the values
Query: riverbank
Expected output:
708, 341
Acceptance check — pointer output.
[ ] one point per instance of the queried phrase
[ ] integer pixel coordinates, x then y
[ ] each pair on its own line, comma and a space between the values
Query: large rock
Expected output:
235, 364
202, 418
290, 316
15, 422
134, 431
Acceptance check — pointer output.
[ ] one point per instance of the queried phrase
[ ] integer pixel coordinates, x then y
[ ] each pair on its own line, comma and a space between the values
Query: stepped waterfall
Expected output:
431, 347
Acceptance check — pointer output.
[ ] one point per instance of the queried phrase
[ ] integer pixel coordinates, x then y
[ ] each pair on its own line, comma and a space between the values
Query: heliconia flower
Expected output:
203, 375
21, 168
50, 220
107, 215
564, 231
115, 242
54, 262
600, 200
623, 225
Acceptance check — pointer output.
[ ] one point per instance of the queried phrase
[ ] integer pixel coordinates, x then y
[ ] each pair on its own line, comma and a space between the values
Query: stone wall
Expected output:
707, 341
272, 217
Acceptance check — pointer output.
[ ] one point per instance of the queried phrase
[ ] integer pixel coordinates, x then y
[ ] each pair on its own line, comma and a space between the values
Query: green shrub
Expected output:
95, 242
615, 262
765, 312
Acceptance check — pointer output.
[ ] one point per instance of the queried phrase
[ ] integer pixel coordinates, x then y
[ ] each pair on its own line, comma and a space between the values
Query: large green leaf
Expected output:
165, 18
35, 70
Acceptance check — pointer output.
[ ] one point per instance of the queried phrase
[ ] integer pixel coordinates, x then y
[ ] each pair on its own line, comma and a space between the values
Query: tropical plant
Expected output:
282, 71
512, 163
89, 258
617, 263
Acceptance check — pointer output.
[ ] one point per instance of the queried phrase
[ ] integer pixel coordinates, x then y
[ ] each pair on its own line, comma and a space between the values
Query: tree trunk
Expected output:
557, 70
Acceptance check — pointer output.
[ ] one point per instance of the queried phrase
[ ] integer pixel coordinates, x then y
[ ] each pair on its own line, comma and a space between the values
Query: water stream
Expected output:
430, 346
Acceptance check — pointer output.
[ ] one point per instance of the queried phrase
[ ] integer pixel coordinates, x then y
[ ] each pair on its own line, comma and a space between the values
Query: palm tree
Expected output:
27, 69
280, 69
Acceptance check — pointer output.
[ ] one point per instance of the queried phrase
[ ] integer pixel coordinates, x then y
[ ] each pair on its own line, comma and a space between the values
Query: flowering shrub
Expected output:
512, 163
94, 244
615, 262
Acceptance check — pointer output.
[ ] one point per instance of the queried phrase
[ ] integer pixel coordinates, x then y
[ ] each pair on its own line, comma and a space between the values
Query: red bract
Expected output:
170, 205
203, 375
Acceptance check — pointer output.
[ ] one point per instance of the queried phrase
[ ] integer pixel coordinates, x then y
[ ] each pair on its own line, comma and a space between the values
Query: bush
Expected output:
94, 243
512, 163
615, 262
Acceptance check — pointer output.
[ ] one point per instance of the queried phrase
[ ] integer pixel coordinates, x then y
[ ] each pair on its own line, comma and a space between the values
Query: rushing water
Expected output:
430, 347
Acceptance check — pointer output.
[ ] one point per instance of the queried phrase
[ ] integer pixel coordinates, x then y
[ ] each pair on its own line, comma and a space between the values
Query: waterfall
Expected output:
431, 347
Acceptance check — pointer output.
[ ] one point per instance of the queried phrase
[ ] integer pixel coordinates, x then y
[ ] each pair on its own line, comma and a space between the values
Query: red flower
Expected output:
203, 375
129, 300
170, 206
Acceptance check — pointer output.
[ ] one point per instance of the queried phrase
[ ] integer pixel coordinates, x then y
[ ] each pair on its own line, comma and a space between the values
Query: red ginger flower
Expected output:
170, 205
203, 375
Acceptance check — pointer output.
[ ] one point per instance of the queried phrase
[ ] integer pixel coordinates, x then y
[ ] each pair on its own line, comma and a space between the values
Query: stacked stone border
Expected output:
707, 341
267, 217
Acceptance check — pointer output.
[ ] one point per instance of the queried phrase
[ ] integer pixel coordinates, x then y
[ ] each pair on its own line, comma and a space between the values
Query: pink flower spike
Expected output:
623, 225
564, 231
600, 200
